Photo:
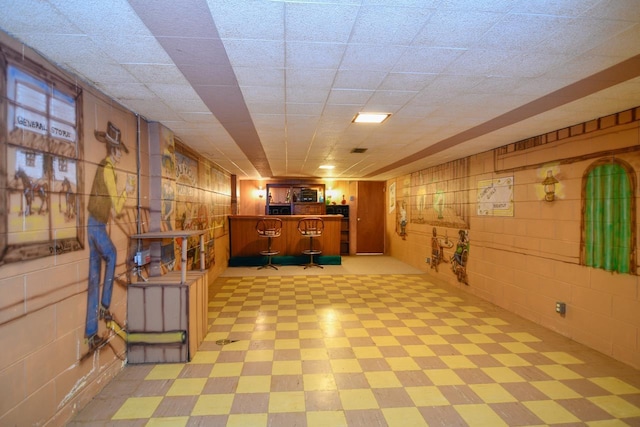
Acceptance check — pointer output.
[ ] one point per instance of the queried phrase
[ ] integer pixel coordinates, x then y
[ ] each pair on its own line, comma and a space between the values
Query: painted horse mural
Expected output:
32, 189
66, 190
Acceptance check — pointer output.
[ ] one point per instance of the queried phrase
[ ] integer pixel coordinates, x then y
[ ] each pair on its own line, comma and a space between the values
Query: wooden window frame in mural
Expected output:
439, 195
631, 176
40, 120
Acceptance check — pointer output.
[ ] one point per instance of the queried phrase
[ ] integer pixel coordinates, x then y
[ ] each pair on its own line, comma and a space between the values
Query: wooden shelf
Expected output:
295, 199
344, 225
176, 301
184, 234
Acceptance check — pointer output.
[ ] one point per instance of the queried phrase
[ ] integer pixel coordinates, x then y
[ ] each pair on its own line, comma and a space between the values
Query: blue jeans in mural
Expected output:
100, 248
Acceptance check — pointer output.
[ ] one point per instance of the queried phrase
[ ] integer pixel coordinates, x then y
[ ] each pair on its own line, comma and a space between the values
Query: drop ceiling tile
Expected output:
309, 78
346, 96
481, 83
28, 17
125, 49
299, 109
412, 113
341, 113
573, 40
498, 85
390, 98
444, 88
455, 28
528, 64
307, 96
269, 121
359, 79
489, 6
66, 47
191, 105
255, 53
129, 91
193, 116
518, 32
108, 72
107, 18
169, 91
372, 57
322, 22
407, 81
567, 8
378, 24
426, 59
581, 67
307, 123
249, 76
272, 94
621, 45
314, 55
272, 139
625, 10
298, 141
478, 61
156, 73
194, 51
248, 19
274, 108
151, 109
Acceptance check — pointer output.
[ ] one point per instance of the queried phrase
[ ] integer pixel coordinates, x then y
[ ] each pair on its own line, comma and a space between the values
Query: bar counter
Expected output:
245, 244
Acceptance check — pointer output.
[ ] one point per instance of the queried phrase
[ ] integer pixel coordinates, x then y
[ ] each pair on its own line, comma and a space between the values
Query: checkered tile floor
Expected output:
369, 350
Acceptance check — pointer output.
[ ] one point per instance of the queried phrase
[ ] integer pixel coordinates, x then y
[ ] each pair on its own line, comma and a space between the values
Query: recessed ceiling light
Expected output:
327, 166
370, 117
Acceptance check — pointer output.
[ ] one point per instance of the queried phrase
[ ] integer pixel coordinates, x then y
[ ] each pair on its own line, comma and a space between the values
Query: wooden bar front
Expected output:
244, 240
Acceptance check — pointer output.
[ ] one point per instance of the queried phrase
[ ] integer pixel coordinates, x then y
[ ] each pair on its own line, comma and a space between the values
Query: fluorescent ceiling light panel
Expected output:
327, 166
371, 117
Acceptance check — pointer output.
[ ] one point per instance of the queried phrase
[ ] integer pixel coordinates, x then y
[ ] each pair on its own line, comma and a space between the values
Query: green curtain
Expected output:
607, 219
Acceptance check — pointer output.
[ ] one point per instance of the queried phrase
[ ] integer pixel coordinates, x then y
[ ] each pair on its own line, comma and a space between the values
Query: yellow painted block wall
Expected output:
44, 378
529, 261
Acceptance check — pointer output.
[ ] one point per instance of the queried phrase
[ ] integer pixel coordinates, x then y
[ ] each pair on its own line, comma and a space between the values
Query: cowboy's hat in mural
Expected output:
111, 136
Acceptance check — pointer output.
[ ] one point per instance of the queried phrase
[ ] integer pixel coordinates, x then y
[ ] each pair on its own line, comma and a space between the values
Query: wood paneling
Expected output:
244, 240
165, 305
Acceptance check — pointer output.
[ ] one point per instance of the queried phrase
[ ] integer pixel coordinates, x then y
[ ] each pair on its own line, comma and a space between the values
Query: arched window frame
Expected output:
631, 176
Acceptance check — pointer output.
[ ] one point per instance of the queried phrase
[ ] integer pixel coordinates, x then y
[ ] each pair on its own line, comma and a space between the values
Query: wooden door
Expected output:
370, 227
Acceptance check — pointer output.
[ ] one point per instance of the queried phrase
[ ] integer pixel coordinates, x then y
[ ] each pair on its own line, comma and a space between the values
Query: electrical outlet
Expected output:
427, 260
561, 307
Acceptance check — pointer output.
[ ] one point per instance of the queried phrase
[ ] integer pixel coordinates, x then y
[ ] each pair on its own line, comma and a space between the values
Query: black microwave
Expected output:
308, 195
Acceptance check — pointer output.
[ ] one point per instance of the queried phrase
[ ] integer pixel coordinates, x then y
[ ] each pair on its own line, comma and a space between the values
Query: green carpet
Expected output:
256, 261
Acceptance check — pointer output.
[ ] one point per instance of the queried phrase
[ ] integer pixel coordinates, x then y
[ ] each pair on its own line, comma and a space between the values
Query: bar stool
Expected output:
269, 228
311, 227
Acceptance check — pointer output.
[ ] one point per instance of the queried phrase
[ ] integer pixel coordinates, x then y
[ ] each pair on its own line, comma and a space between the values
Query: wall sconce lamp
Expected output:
549, 184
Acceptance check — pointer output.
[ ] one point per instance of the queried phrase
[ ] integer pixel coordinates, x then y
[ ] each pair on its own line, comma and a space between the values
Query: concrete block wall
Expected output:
44, 378
531, 260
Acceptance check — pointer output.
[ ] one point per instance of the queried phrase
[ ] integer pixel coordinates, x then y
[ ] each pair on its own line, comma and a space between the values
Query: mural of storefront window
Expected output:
222, 190
439, 195
40, 149
608, 222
